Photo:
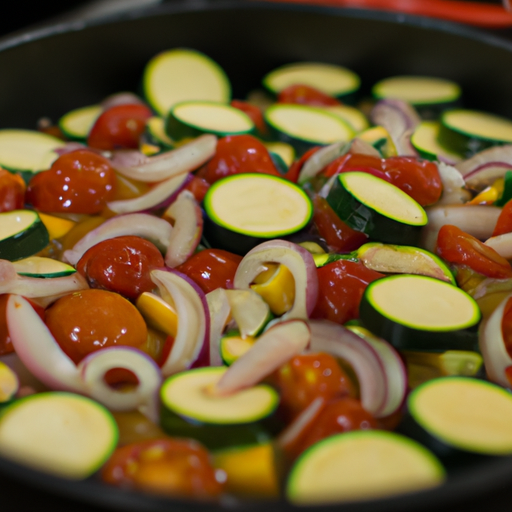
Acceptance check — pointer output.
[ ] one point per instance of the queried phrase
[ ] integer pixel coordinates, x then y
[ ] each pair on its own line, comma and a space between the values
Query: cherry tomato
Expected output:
81, 181
238, 154
418, 178
12, 191
211, 269
119, 127
308, 376
254, 113
198, 186
341, 286
121, 265
504, 223
306, 95
174, 467
339, 236
89, 320
461, 249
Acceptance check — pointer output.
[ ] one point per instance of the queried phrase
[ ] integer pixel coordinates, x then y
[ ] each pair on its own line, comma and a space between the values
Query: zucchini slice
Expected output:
420, 313
454, 415
331, 79
362, 465
77, 123
190, 119
183, 74
425, 139
22, 234
38, 266
352, 115
155, 133
378, 208
304, 127
232, 346
189, 409
27, 151
64, 434
470, 131
244, 210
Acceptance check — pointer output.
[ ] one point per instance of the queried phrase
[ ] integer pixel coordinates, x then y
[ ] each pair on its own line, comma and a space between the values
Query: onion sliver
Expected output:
299, 262
219, 309
187, 229
191, 341
496, 155
156, 197
137, 224
453, 185
181, 160
319, 159
272, 349
502, 244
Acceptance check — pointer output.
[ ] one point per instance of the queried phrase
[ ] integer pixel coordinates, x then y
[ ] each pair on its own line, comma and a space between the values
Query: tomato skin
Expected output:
211, 269
175, 467
81, 181
89, 320
12, 191
122, 264
296, 167
341, 286
504, 222
198, 186
254, 113
339, 236
237, 154
306, 95
464, 250
119, 127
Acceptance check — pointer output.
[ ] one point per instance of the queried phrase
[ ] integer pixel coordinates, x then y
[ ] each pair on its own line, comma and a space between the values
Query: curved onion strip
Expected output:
453, 185
121, 98
138, 224
190, 342
272, 349
338, 341
187, 229
35, 287
486, 175
320, 158
143, 396
219, 309
166, 165
158, 195
127, 158
496, 155
37, 348
477, 220
361, 147
493, 348
248, 309
502, 244
298, 261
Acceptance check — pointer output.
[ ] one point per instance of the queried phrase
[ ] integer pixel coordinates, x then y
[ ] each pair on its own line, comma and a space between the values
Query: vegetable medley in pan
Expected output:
304, 294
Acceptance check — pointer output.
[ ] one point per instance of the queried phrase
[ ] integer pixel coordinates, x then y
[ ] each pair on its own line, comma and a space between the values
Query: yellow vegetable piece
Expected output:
232, 347
284, 150
251, 470
79, 230
158, 313
312, 247
277, 287
57, 227
8, 383
490, 194
380, 139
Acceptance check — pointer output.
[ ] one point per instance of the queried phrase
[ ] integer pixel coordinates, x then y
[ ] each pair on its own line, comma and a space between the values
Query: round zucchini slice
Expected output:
38, 266
64, 434
420, 313
352, 115
362, 465
378, 208
331, 79
469, 131
244, 210
22, 234
304, 127
190, 409
183, 74
425, 140
77, 124
461, 415
232, 346
190, 119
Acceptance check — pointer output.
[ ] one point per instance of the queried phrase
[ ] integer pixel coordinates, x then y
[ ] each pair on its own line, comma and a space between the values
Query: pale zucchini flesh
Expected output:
77, 123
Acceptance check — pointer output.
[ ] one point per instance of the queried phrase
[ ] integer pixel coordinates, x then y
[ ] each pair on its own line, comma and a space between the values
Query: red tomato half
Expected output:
12, 191
504, 223
254, 113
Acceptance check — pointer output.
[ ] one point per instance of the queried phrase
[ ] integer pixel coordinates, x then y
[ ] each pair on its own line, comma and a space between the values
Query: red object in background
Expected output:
341, 286
301, 94
254, 113
119, 127
504, 223
461, 249
198, 186
12, 191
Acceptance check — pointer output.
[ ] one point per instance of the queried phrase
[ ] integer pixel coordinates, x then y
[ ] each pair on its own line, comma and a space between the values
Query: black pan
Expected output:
47, 72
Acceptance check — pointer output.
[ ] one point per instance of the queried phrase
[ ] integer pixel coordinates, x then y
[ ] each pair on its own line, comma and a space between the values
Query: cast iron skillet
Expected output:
47, 72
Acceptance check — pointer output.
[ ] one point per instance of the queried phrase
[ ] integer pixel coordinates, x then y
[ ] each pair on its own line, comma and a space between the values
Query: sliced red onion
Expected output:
143, 396
299, 262
219, 309
361, 147
272, 349
486, 175
322, 157
26, 378
399, 118
69, 147
36, 347
138, 224
494, 156
493, 348
187, 230
128, 158
159, 196
249, 310
184, 159
191, 343
502, 244
476, 219
121, 98
454, 191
